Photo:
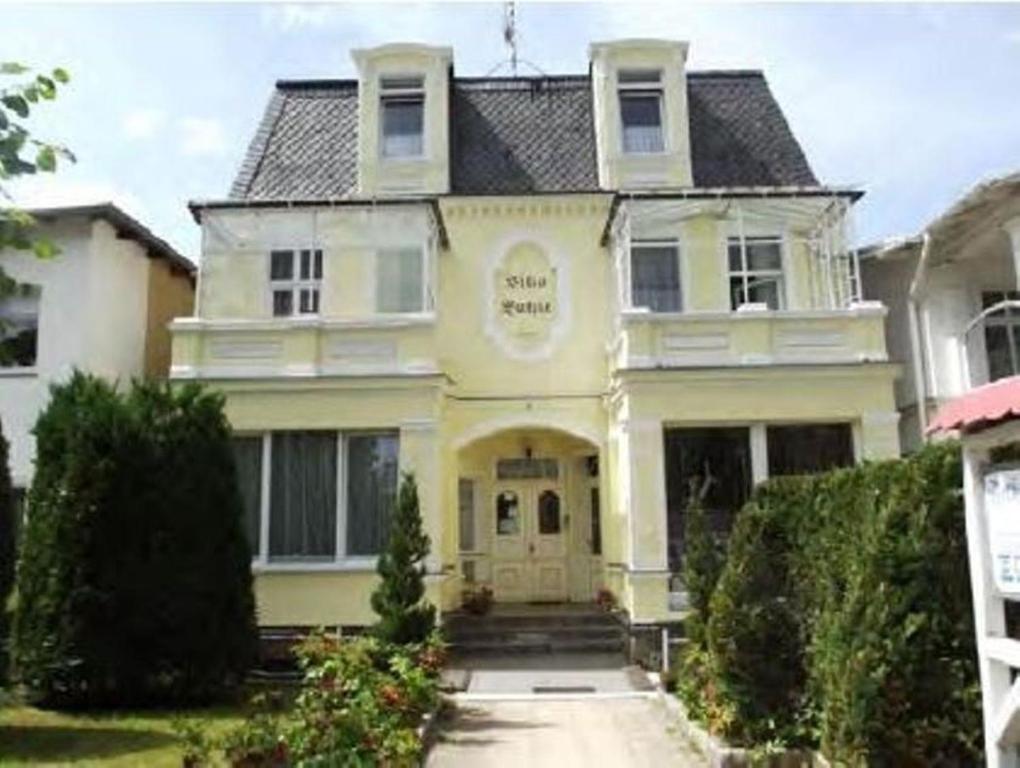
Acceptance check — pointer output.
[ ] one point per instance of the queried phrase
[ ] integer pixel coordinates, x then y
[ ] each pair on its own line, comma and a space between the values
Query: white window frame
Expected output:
401, 93
479, 546
747, 275
651, 87
657, 242
341, 561
1008, 319
426, 278
295, 284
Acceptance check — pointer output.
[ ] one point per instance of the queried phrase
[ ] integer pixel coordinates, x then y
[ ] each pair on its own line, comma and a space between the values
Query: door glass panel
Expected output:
508, 517
549, 513
596, 523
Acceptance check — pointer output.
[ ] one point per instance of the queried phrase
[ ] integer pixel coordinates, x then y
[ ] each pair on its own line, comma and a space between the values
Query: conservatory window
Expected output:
756, 271
655, 275
295, 279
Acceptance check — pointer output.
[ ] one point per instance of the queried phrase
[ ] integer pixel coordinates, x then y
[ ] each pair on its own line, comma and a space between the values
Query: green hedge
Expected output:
842, 619
134, 577
8, 530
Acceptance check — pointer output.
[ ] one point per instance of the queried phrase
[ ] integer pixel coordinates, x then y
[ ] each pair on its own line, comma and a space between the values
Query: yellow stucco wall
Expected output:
171, 294
465, 383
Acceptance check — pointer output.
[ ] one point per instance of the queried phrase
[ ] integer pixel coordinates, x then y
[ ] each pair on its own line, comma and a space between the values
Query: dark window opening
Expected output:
806, 449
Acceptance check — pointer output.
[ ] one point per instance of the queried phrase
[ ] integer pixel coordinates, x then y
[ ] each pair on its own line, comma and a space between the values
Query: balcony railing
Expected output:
294, 347
750, 336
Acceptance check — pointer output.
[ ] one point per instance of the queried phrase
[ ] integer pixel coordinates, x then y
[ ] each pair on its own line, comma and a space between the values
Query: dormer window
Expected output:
641, 110
402, 107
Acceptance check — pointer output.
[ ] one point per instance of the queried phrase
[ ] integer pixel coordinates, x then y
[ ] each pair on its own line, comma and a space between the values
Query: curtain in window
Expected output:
372, 462
302, 512
402, 127
655, 278
248, 460
399, 280
642, 122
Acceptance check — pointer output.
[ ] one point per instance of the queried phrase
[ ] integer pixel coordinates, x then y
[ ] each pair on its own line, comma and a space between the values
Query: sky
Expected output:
915, 103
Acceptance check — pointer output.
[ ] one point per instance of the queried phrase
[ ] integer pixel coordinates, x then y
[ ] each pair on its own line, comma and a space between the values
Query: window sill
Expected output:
347, 565
28, 372
380, 320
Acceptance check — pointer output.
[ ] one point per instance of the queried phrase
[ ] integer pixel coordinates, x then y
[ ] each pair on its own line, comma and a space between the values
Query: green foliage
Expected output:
360, 704
399, 600
8, 529
20, 153
842, 618
134, 577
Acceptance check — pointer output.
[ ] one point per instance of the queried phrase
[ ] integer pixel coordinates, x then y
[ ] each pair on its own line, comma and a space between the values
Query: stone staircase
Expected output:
535, 629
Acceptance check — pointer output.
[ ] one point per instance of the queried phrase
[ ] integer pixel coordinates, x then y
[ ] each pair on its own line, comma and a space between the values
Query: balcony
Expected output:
401, 345
752, 335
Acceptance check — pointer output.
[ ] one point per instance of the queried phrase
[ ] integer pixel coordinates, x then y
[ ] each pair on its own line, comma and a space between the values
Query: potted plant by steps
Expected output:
477, 600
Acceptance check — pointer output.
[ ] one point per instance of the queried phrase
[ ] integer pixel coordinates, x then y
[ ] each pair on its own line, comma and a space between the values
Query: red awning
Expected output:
981, 407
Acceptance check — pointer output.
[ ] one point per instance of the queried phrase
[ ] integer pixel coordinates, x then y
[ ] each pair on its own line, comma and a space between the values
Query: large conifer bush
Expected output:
404, 615
8, 529
134, 581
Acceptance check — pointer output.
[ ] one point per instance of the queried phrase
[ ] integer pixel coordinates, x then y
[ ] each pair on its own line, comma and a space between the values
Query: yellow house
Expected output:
562, 301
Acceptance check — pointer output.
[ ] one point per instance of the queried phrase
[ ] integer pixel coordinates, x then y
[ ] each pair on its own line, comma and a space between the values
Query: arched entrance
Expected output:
529, 526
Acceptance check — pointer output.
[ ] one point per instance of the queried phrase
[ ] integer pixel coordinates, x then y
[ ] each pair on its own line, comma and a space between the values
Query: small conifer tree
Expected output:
8, 530
404, 615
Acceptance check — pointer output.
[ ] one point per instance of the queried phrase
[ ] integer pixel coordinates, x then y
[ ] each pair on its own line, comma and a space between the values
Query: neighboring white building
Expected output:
102, 305
954, 305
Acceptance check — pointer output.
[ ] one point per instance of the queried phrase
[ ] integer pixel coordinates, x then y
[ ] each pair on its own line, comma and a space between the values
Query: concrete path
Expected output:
583, 732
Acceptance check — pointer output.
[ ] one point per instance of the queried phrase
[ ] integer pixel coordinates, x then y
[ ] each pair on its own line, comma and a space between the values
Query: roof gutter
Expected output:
914, 299
197, 206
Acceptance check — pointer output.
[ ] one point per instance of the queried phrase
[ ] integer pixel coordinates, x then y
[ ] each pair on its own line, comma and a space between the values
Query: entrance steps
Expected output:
535, 629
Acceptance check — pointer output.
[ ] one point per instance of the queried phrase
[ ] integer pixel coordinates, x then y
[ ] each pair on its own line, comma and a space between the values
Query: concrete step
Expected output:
537, 645
526, 630
494, 634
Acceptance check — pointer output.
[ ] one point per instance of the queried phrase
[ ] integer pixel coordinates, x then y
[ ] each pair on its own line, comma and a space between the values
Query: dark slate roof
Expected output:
518, 136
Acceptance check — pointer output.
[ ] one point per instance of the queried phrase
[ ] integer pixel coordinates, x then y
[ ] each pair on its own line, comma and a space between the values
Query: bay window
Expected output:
655, 275
402, 108
295, 280
640, 93
756, 271
317, 496
400, 280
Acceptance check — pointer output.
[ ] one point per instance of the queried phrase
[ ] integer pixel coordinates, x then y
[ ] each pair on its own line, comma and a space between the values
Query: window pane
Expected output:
318, 265
302, 499
655, 278
596, 522
466, 513
718, 463
805, 449
549, 513
765, 290
281, 265
736, 292
19, 327
306, 265
1000, 364
248, 461
372, 462
399, 280
508, 520
642, 122
764, 255
402, 127
283, 303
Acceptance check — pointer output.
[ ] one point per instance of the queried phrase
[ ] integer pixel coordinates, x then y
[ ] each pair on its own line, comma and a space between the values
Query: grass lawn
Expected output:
30, 736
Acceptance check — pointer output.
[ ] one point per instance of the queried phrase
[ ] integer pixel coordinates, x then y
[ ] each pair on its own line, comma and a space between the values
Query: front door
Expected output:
529, 542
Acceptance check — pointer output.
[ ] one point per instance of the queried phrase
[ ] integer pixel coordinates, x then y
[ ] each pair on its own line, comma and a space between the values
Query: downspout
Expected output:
914, 315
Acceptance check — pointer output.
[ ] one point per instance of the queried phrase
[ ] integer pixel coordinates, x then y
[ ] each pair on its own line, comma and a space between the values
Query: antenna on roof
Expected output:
510, 32
510, 39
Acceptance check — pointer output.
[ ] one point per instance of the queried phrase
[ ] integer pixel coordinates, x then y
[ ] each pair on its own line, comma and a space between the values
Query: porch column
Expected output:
420, 453
645, 508
879, 436
1012, 228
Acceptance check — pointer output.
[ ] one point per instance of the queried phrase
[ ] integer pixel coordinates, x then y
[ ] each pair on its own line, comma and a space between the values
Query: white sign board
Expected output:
1002, 507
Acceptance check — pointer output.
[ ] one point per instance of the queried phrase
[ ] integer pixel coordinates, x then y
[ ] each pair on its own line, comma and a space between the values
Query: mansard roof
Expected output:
518, 135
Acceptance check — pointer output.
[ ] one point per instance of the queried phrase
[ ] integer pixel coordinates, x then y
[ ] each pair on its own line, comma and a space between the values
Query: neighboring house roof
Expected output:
518, 135
126, 226
982, 407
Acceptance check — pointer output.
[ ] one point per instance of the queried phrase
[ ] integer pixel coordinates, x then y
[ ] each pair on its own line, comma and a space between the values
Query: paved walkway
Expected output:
586, 732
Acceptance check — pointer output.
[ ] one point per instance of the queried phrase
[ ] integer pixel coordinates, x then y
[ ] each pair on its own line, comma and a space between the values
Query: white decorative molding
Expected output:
812, 339
367, 322
244, 349
361, 351
679, 342
559, 325
528, 420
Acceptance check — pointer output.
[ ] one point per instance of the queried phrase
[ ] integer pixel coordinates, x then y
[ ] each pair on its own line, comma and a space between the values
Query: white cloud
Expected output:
142, 123
290, 16
201, 136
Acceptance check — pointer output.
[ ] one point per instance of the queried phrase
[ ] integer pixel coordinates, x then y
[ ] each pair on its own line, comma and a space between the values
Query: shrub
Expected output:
843, 618
134, 582
404, 615
8, 530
